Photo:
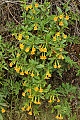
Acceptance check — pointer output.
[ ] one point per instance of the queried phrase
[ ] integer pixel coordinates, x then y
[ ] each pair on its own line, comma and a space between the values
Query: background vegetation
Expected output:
52, 74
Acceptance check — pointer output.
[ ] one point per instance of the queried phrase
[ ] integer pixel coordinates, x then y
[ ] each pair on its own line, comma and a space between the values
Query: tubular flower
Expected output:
21, 46
26, 72
61, 23
29, 90
35, 101
43, 57
50, 101
47, 75
58, 34
32, 74
55, 18
38, 102
67, 17
54, 38
11, 64
33, 50
30, 6
61, 16
60, 57
17, 69
22, 73
40, 90
58, 100
59, 117
36, 89
27, 8
64, 36
20, 37
23, 94
55, 66
27, 49
23, 108
3, 110
30, 113
28, 108
36, 5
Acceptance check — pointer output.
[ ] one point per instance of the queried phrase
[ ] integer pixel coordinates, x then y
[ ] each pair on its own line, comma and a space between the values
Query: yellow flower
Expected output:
61, 49
23, 108
26, 72
27, 8
23, 94
61, 16
58, 66
28, 108
30, 96
11, 64
55, 18
45, 49
19, 36
41, 90
36, 5
50, 101
61, 23
36, 89
67, 17
58, 34
30, 113
18, 55
64, 36
24, 84
35, 28
27, 49
32, 52
55, 66
17, 69
21, 46
30, 6
48, 74
54, 38
3, 110
22, 73
32, 74
57, 117
43, 57
58, 100
29, 90
60, 57
33, 49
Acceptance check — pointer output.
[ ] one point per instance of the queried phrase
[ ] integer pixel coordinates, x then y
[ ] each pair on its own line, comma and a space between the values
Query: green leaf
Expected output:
40, 66
59, 10
1, 118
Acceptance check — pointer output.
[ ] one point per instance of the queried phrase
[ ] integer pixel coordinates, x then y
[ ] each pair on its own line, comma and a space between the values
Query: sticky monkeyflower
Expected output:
20, 37
23, 108
54, 38
59, 117
61, 23
60, 56
55, 18
21, 46
58, 100
30, 6
58, 34
43, 57
23, 94
26, 72
33, 50
27, 49
27, 8
36, 89
38, 102
3, 110
59, 66
67, 17
55, 65
64, 36
50, 101
35, 27
11, 64
61, 16
36, 5
24, 83
30, 112
40, 90
22, 73
48, 75
32, 74
17, 69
